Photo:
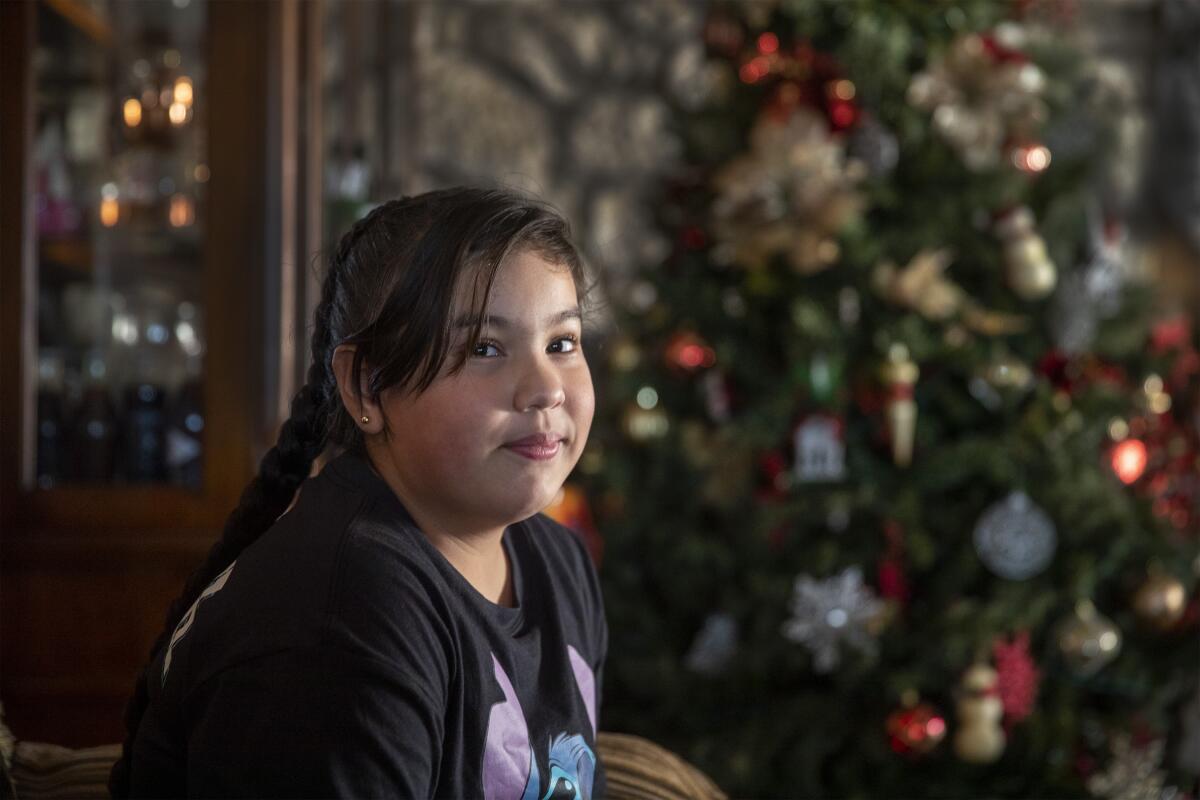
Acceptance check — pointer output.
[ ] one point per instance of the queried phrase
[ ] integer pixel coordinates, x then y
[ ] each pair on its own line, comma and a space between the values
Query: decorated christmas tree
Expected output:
894, 472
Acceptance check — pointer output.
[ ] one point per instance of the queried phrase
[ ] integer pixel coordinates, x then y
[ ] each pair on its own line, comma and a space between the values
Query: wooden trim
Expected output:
122, 507
88, 687
85, 19
235, 253
287, 58
101, 549
313, 175
18, 305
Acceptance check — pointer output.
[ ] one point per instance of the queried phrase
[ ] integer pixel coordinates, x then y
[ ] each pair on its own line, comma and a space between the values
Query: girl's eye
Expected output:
483, 346
572, 343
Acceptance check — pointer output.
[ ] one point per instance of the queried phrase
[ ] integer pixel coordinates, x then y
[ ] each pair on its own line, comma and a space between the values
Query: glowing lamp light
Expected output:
1129, 460
181, 213
110, 212
132, 111
183, 90
177, 113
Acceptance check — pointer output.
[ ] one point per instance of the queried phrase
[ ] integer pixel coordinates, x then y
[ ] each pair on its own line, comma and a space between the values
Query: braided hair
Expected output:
388, 290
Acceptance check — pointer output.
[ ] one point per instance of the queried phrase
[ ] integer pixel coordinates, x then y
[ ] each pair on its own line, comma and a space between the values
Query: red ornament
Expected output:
1170, 333
1017, 677
688, 353
916, 730
1002, 54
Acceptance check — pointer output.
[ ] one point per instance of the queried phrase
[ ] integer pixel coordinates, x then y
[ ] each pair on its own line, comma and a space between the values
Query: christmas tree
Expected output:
895, 466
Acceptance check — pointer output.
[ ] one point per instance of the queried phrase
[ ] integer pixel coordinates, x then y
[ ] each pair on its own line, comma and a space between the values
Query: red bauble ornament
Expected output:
916, 730
687, 352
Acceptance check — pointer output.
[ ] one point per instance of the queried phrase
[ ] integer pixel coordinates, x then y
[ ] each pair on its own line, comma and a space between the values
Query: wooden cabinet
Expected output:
149, 266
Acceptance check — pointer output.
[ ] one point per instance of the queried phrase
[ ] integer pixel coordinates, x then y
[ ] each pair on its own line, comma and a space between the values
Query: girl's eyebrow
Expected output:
468, 320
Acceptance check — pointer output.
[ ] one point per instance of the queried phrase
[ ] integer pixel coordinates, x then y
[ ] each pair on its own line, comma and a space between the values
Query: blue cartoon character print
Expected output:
510, 767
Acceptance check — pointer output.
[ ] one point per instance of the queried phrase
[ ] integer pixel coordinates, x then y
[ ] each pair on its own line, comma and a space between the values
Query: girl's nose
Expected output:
541, 386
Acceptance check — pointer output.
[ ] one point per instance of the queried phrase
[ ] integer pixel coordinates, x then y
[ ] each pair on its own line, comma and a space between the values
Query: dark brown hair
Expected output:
389, 290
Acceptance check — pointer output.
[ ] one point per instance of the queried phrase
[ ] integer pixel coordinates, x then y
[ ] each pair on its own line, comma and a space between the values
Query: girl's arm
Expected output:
314, 722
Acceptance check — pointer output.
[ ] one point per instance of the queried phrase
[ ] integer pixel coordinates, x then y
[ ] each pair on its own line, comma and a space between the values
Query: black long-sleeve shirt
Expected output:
341, 655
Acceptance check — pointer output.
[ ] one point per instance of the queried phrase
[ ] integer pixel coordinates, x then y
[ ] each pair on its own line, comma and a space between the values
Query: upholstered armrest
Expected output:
638, 769
42, 771
635, 768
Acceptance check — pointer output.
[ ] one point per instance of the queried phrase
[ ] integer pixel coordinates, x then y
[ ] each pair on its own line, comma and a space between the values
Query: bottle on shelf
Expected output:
51, 426
94, 430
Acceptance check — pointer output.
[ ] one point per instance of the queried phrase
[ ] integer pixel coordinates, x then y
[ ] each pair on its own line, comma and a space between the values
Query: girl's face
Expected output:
449, 447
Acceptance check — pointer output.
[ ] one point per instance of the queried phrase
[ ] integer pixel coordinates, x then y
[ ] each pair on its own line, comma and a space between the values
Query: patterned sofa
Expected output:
636, 769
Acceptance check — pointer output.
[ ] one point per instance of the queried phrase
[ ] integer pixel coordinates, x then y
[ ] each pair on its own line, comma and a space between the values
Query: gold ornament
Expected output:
921, 285
1007, 373
1029, 271
1087, 639
1160, 601
979, 739
789, 195
899, 375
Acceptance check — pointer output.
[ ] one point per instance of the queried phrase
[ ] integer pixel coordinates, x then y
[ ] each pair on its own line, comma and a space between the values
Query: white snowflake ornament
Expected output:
828, 614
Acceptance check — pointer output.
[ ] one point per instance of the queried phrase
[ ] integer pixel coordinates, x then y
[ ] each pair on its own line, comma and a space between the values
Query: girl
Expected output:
411, 626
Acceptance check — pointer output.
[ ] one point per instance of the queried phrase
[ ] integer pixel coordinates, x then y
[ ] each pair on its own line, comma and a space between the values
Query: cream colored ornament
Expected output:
979, 739
1028, 269
922, 286
899, 374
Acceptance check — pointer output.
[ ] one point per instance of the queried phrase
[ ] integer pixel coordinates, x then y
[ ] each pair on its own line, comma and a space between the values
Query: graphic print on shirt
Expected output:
185, 624
510, 766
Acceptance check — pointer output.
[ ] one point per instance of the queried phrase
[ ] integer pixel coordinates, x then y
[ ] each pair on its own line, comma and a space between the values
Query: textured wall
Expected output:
573, 101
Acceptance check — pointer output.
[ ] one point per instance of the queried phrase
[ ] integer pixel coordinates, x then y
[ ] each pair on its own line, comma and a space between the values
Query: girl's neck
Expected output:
478, 556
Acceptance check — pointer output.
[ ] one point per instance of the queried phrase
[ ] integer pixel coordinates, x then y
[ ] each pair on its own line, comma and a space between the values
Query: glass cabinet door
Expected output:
119, 172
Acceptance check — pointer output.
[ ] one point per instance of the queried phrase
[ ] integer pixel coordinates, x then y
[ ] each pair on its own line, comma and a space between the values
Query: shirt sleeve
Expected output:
314, 722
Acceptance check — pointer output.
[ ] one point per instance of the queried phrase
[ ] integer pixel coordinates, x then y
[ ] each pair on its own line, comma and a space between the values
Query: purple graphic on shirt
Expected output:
510, 769
586, 681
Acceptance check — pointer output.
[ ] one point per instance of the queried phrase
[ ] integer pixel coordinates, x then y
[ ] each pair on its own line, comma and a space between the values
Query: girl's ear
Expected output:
366, 413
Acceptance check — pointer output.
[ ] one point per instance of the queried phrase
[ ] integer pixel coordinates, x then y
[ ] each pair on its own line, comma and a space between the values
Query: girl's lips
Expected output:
536, 452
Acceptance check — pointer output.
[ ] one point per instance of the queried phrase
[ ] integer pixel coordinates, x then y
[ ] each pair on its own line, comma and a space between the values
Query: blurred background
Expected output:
894, 485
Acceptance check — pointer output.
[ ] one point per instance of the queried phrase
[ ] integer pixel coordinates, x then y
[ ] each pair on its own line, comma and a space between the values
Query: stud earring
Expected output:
365, 419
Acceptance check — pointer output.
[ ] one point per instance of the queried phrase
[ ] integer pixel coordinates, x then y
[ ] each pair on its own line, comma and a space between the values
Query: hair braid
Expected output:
284, 467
